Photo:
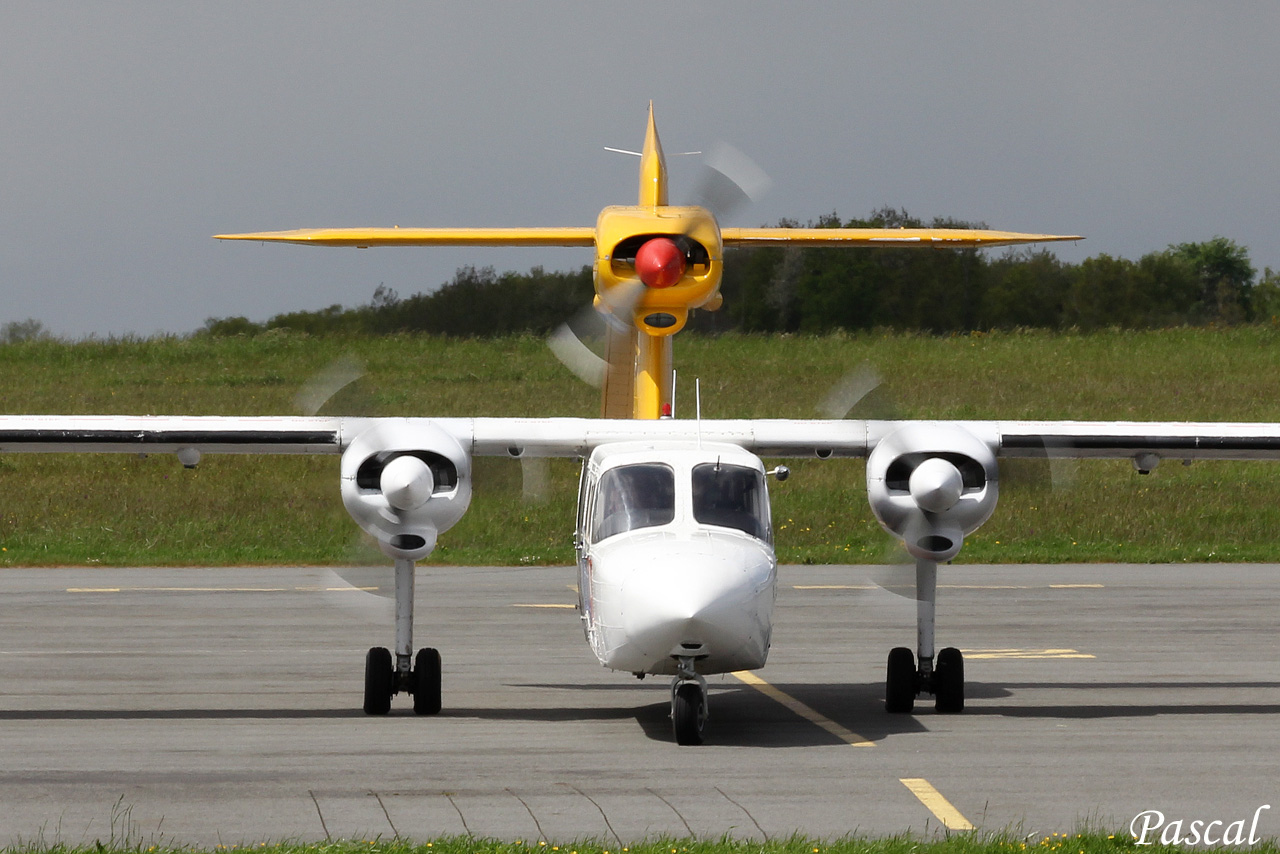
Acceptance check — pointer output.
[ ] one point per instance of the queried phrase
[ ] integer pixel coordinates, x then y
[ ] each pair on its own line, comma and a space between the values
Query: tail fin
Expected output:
653, 167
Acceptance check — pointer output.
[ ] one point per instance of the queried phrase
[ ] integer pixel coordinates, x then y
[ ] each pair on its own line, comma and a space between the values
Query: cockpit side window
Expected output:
631, 497
731, 497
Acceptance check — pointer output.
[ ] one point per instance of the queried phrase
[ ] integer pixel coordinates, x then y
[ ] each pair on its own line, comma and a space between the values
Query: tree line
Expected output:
823, 290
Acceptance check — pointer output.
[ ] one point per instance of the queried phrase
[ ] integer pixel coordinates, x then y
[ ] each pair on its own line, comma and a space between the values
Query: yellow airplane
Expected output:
654, 263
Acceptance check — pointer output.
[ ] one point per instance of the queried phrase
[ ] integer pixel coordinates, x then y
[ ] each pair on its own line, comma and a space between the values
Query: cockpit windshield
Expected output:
731, 497
630, 497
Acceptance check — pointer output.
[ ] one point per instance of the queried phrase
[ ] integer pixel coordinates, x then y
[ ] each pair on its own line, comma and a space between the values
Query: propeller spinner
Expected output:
660, 263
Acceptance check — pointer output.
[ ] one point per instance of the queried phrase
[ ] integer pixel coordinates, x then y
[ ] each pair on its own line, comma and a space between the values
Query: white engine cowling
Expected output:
404, 483
930, 485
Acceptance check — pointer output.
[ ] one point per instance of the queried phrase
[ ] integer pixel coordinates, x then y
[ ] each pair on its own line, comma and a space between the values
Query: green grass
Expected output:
960, 843
123, 510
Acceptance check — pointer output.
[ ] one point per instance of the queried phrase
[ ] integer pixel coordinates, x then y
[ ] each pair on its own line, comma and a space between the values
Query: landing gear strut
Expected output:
688, 704
944, 679
418, 676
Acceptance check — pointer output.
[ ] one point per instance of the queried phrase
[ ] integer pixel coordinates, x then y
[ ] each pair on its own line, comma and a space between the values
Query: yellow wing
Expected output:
366, 237
937, 238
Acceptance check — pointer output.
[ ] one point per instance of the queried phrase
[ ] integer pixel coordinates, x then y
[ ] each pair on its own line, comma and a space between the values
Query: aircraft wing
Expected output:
363, 238
907, 238
568, 437
160, 434
575, 437
1121, 439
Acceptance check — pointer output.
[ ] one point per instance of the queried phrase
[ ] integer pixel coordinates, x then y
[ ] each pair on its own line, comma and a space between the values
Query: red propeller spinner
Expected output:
660, 263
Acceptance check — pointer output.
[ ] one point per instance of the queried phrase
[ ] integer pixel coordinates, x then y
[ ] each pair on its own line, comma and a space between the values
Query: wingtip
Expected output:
249, 236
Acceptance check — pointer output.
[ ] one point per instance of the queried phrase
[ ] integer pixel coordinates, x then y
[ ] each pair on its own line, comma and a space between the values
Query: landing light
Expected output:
1146, 463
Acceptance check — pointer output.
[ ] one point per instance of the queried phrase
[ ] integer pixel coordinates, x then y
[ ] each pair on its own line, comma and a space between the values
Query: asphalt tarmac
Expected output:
222, 706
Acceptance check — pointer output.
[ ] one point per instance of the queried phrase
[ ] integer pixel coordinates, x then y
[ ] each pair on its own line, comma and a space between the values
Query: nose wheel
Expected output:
688, 704
688, 713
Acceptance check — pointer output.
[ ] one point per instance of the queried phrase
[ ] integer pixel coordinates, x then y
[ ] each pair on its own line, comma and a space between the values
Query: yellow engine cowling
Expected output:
622, 231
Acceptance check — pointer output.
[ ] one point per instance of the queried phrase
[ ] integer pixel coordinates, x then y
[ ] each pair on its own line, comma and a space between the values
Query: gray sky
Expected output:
132, 131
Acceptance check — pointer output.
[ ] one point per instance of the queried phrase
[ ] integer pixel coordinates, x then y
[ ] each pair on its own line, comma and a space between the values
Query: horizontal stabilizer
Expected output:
365, 237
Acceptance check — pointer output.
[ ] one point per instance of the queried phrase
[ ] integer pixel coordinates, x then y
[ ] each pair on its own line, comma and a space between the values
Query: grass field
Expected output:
126, 510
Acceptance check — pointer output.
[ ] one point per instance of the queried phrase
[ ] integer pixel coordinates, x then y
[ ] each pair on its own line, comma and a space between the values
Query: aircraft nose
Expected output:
691, 611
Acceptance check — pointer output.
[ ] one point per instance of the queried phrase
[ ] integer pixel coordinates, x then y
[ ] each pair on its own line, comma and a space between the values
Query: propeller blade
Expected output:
377, 581
535, 475
848, 391
730, 181
580, 342
326, 384
860, 393
569, 348
897, 577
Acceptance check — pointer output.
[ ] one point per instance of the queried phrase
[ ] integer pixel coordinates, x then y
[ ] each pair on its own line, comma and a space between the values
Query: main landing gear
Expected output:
688, 704
420, 677
943, 678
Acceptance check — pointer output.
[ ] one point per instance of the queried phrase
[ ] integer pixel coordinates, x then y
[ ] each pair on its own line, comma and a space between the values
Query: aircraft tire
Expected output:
379, 681
426, 682
948, 682
688, 714
900, 682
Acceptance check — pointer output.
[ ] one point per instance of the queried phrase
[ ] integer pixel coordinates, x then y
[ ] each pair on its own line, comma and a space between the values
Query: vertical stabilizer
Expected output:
653, 167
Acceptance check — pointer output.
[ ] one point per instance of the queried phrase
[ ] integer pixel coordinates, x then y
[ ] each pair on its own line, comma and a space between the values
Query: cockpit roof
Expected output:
683, 455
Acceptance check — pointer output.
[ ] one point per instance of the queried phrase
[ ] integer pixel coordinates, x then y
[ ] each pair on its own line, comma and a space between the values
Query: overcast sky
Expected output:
132, 131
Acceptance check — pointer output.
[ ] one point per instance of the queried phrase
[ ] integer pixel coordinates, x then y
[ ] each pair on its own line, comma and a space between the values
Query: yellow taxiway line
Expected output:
1025, 653
847, 736
937, 804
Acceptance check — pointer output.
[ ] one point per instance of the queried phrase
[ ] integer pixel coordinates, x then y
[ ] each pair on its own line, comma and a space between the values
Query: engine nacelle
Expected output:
931, 485
404, 483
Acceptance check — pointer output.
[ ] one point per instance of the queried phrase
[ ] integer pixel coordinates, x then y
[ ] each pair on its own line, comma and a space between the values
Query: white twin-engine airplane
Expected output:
677, 572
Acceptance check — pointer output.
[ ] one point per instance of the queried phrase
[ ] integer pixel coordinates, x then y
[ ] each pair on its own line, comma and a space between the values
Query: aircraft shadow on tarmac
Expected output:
742, 716
1188, 692
172, 714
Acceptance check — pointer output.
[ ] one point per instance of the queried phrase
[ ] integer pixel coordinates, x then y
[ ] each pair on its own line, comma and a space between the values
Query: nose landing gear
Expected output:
688, 704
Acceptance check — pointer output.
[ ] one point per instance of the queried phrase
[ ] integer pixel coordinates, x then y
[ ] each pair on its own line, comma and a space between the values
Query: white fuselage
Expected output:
675, 557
